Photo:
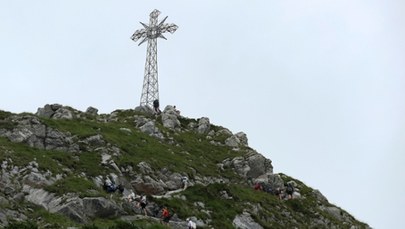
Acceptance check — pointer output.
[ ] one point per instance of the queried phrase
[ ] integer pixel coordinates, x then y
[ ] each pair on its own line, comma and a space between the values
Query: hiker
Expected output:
109, 185
184, 180
165, 216
191, 224
278, 193
131, 197
290, 190
267, 188
258, 186
156, 107
142, 203
175, 110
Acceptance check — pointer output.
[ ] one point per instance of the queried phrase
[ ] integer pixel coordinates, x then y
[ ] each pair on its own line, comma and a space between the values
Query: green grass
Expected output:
22, 154
75, 185
5, 123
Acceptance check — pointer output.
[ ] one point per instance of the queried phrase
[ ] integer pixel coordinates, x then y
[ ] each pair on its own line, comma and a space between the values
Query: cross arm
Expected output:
140, 33
168, 28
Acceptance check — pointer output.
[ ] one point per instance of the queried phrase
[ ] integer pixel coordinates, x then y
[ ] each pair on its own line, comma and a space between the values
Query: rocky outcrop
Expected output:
170, 117
150, 129
92, 111
245, 221
119, 143
55, 111
203, 125
32, 131
251, 166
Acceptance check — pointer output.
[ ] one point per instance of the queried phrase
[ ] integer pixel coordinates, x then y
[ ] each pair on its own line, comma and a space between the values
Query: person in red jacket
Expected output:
165, 216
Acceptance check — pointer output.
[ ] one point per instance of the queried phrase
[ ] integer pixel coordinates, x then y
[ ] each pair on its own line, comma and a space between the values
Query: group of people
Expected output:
141, 202
165, 214
110, 186
282, 193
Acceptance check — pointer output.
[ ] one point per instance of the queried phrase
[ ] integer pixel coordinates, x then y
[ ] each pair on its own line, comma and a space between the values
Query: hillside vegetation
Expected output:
55, 163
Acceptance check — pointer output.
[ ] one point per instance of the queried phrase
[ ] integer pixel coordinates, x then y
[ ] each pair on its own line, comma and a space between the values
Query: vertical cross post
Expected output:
150, 33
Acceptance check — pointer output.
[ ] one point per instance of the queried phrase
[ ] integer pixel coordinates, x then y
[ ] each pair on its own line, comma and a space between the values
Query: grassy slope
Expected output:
193, 150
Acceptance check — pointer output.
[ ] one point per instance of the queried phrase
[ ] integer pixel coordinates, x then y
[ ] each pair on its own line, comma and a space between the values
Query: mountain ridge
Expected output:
56, 161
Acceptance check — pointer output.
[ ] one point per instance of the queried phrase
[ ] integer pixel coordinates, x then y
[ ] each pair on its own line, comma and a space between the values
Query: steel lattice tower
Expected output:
150, 33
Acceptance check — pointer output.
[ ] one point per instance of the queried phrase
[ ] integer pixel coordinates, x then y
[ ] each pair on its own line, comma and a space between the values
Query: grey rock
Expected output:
36, 179
240, 166
92, 110
63, 113
3, 218
232, 141
245, 221
94, 141
46, 111
275, 181
3, 202
258, 165
144, 109
224, 131
144, 168
126, 131
150, 129
41, 197
140, 120
19, 197
319, 196
335, 212
169, 118
148, 185
100, 207
242, 138
203, 125
72, 208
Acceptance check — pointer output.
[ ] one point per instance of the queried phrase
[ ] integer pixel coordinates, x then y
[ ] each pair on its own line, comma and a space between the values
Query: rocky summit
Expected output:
64, 168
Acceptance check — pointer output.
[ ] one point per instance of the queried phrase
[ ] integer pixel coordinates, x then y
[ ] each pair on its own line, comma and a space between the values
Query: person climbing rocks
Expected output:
184, 180
165, 216
258, 186
142, 203
175, 110
131, 197
278, 193
191, 224
156, 107
109, 185
290, 190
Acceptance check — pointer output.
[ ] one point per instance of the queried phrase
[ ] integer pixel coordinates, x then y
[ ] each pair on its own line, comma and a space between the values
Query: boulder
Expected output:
91, 111
31, 131
93, 141
169, 118
150, 129
258, 165
275, 181
203, 125
100, 207
72, 208
242, 138
232, 141
148, 185
46, 111
63, 113
245, 221
144, 109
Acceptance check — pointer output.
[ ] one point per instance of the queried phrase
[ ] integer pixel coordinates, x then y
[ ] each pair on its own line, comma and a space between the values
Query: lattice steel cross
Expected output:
150, 33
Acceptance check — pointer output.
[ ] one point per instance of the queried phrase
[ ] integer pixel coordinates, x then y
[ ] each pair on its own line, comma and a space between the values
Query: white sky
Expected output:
317, 85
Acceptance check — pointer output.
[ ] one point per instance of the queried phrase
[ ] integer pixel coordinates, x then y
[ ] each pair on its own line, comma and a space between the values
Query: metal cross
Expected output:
150, 33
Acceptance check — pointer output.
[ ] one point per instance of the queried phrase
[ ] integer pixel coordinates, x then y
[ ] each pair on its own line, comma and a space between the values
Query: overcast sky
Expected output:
317, 85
